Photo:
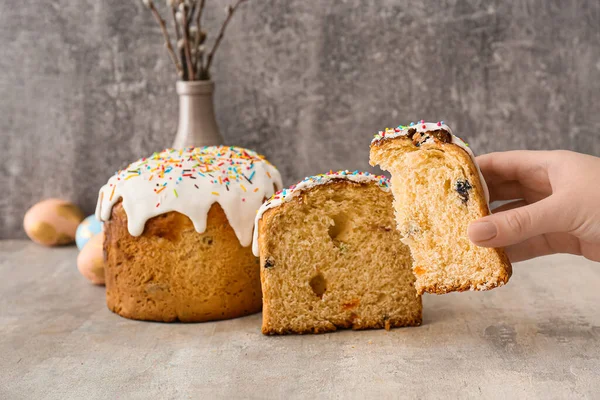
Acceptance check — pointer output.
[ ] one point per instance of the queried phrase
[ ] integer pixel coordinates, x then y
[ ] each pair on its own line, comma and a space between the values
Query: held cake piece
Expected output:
178, 228
438, 190
330, 257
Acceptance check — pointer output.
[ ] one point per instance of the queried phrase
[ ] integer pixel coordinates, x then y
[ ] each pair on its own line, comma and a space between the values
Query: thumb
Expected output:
519, 224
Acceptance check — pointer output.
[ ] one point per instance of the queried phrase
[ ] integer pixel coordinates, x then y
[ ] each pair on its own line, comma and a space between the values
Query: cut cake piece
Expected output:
331, 257
438, 190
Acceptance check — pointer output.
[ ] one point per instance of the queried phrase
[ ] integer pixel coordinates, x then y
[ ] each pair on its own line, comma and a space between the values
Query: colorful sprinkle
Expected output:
228, 163
321, 179
222, 171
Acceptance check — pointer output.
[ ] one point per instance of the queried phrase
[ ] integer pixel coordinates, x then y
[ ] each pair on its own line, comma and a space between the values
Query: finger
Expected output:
516, 190
536, 246
506, 191
509, 206
511, 165
518, 224
591, 251
543, 245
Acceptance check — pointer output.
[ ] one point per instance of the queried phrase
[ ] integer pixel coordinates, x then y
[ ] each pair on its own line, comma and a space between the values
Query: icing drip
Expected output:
422, 127
285, 195
189, 181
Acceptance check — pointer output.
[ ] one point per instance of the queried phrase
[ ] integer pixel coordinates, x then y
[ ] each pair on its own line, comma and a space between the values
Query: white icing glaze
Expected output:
422, 127
190, 181
309, 182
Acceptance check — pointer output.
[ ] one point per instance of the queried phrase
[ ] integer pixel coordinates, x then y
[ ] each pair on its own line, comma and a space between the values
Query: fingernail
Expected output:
482, 231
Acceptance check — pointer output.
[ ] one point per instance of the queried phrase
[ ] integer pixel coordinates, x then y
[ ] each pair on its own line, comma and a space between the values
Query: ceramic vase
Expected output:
197, 123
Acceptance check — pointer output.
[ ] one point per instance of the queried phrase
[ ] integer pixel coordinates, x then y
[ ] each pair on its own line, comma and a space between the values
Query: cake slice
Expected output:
330, 257
438, 190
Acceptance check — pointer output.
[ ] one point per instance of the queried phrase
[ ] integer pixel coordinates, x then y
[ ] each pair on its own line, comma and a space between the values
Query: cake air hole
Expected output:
318, 284
383, 297
339, 229
338, 197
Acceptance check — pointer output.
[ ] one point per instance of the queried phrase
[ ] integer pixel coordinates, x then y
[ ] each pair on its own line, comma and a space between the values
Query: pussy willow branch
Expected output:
186, 44
230, 12
165, 33
199, 15
190, 66
173, 6
190, 18
199, 62
175, 24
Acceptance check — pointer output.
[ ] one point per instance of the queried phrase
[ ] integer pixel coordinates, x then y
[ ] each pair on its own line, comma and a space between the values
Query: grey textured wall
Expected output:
86, 85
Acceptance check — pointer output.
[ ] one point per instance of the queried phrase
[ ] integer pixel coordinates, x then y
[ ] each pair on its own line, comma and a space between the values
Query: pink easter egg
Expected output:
52, 222
90, 261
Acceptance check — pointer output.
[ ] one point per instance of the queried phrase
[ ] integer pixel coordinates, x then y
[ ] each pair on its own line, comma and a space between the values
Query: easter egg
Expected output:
90, 261
52, 222
88, 228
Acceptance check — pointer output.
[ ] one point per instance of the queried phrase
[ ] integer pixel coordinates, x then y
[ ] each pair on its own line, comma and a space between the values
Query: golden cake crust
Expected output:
173, 273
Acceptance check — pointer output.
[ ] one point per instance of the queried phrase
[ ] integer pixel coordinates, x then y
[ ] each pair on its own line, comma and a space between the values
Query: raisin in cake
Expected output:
330, 257
178, 228
438, 190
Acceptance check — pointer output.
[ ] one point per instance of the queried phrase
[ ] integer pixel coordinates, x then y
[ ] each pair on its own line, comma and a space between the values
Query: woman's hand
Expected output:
556, 207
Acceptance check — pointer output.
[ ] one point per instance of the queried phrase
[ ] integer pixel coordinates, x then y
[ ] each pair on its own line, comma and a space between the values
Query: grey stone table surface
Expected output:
537, 337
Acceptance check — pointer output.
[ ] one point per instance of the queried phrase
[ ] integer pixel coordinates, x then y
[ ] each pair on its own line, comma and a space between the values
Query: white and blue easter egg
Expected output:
86, 230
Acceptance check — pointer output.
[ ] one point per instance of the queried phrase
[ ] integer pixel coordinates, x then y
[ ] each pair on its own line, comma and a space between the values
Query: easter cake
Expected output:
178, 229
330, 257
438, 190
